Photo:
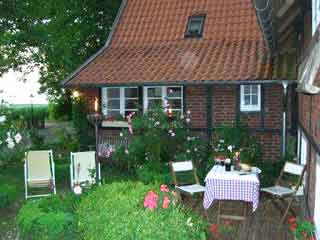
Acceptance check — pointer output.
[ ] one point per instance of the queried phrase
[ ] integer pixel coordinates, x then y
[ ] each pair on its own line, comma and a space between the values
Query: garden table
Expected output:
221, 185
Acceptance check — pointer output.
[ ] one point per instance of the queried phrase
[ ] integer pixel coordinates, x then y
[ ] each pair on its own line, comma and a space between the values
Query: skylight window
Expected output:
195, 26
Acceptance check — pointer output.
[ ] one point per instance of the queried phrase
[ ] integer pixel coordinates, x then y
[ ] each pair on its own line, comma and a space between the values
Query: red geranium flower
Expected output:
293, 226
214, 228
291, 220
166, 202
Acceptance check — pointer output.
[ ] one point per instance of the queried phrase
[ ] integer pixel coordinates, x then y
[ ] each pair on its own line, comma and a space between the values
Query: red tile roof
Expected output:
148, 45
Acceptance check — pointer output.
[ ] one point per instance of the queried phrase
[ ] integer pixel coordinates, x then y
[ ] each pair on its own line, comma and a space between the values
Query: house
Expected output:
215, 58
308, 149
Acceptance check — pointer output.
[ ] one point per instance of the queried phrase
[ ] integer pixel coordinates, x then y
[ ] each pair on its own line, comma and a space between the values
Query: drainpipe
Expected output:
284, 118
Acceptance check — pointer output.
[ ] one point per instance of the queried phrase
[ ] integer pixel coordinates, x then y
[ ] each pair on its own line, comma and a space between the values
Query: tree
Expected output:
54, 35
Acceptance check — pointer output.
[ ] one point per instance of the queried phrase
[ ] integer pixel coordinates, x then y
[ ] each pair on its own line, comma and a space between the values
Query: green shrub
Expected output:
4, 199
147, 174
158, 139
237, 137
48, 218
115, 211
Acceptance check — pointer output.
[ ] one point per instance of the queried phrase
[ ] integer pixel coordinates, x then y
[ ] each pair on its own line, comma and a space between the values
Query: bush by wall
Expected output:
115, 211
48, 218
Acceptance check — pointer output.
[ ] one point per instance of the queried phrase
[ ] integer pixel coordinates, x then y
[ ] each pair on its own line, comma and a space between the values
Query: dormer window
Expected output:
195, 26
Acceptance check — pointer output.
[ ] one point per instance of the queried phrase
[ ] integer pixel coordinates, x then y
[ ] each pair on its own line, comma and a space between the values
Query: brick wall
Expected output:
196, 102
224, 110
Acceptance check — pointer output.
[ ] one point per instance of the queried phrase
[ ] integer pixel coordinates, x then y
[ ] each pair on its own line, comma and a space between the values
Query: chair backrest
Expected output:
179, 167
38, 164
293, 168
182, 166
82, 164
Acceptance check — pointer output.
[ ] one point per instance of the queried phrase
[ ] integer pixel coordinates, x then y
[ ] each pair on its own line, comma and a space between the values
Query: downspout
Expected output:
284, 119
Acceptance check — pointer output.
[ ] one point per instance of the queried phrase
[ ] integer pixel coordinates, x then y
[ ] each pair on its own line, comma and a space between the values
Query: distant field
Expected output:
27, 105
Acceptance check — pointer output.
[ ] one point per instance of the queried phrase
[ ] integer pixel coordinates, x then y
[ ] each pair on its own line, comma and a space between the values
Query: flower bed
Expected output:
132, 210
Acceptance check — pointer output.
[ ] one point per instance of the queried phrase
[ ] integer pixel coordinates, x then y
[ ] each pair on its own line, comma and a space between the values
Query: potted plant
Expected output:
302, 229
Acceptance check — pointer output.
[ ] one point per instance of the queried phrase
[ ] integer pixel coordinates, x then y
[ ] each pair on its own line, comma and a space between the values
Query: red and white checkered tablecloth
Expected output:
221, 185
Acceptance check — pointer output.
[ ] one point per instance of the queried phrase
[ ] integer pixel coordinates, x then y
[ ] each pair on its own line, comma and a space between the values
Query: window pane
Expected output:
114, 104
131, 104
254, 99
246, 89
131, 92
154, 103
254, 89
114, 114
247, 100
175, 103
155, 92
113, 92
174, 92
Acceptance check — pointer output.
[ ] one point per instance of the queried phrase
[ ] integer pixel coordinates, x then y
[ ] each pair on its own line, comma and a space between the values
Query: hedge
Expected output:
115, 211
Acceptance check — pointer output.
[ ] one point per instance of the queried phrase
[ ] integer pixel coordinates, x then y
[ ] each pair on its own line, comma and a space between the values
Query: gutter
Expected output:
101, 50
184, 83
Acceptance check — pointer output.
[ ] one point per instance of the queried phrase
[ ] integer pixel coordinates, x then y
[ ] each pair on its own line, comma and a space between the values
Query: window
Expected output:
119, 101
315, 15
173, 96
195, 26
250, 98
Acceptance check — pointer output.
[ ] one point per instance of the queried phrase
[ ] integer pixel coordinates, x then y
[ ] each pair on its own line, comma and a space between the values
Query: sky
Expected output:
18, 92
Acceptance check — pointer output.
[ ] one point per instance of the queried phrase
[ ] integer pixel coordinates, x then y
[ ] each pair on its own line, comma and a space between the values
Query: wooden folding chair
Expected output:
188, 188
283, 193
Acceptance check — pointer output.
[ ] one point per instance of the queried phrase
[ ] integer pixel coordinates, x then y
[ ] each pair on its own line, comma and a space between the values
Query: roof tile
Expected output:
148, 45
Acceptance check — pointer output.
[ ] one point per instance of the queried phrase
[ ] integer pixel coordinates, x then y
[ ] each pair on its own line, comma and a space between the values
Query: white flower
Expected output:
126, 151
196, 149
9, 139
170, 131
230, 148
188, 120
8, 134
157, 123
2, 119
121, 134
189, 222
18, 137
188, 112
10, 145
188, 151
188, 138
77, 190
221, 141
173, 134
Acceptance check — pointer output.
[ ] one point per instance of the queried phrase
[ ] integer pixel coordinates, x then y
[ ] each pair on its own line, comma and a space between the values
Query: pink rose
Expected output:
151, 200
164, 188
166, 202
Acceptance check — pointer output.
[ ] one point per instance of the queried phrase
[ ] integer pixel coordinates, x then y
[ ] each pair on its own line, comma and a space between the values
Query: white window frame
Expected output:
250, 108
163, 97
122, 97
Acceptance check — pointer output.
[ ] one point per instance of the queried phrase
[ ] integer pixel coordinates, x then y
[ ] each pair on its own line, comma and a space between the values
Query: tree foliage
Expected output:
54, 35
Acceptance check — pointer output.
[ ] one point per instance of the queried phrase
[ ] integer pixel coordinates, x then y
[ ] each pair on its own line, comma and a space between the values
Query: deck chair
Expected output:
82, 169
283, 192
189, 189
39, 172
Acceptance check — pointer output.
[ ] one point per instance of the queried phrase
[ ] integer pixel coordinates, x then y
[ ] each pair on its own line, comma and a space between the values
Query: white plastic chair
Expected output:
39, 172
83, 168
